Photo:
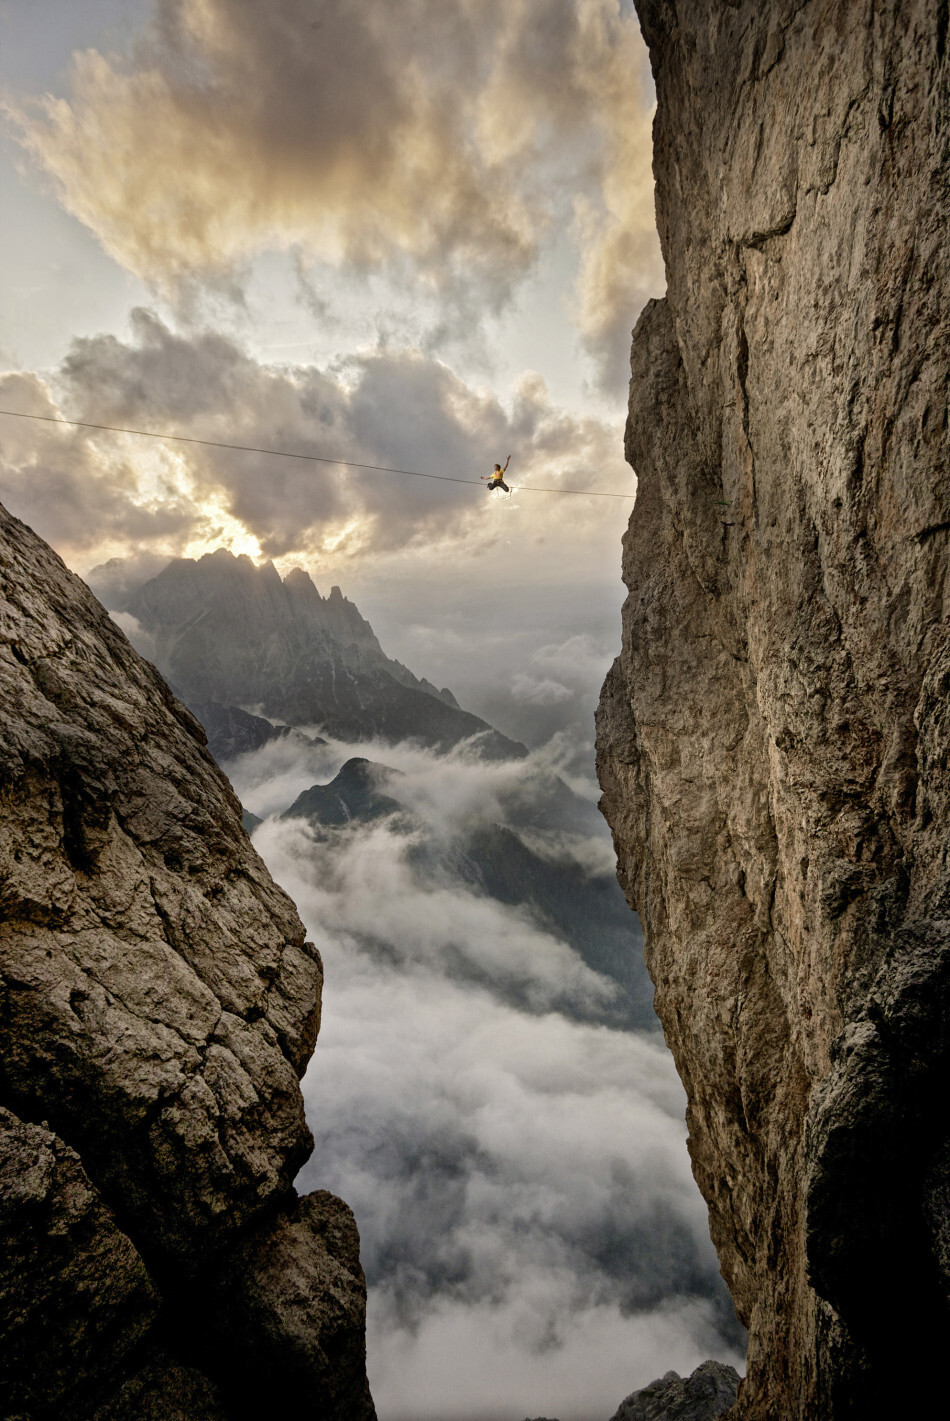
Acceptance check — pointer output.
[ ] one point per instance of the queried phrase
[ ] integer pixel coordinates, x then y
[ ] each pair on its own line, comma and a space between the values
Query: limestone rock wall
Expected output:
774, 737
159, 1003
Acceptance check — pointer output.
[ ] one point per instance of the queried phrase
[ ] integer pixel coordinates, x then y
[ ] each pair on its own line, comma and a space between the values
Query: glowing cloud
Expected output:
448, 135
96, 494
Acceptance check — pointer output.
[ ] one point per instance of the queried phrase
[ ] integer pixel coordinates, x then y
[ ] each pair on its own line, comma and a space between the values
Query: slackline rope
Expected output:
311, 458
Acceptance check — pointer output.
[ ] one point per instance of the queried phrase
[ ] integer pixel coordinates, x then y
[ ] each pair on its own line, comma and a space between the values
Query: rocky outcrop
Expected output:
159, 1004
60, 1242
355, 795
774, 738
232, 731
225, 631
704, 1395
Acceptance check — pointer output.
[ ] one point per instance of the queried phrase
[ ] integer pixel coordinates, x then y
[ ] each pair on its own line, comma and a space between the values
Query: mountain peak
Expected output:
226, 631
298, 576
354, 795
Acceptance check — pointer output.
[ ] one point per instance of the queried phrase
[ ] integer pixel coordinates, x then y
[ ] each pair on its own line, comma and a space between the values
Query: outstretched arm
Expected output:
507, 462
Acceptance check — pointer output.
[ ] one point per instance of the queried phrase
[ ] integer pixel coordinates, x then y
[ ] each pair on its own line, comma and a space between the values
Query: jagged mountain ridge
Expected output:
193, 607
586, 910
225, 631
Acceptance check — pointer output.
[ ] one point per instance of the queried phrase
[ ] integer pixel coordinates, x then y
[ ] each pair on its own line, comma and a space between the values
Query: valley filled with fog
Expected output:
504, 1120
490, 1092
386, 246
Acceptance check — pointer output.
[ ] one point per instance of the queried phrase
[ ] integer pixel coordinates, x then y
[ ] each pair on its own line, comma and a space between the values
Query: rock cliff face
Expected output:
159, 1004
775, 736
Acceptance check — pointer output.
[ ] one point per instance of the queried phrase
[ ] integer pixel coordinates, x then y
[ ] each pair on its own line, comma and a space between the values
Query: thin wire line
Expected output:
311, 458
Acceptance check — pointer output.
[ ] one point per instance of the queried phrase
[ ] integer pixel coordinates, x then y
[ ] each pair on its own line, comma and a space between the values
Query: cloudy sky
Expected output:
415, 235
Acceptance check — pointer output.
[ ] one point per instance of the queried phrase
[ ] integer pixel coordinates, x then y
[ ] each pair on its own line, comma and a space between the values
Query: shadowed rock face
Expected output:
59, 1239
355, 795
159, 1004
774, 737
232, 731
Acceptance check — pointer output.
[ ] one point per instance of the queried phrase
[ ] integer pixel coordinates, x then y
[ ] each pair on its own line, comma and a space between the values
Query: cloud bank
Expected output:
532, 1235
95, 494
533, 1240
443, 141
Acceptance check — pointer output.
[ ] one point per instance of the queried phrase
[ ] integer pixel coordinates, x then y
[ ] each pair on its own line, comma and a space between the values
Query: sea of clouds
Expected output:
533, 1240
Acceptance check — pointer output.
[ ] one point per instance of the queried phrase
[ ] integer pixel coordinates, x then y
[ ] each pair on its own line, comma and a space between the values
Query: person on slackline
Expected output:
497, 478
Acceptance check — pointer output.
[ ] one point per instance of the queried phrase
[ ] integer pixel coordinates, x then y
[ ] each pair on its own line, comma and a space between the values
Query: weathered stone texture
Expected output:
159, 1002
774, 738
60, 1243
282, 1312
704, 1395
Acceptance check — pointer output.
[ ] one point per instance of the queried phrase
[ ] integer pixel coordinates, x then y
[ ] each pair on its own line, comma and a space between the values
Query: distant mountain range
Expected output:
229, 635
226, 633
232, 731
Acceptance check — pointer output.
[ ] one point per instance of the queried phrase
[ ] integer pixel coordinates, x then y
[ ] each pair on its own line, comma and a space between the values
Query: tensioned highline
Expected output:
292, 454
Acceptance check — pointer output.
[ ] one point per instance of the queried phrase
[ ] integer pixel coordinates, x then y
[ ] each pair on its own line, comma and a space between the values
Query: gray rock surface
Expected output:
356, 794
232, 731
704, 1395
225, 631
163, 1390
774, 738
159, 1002
283, 1310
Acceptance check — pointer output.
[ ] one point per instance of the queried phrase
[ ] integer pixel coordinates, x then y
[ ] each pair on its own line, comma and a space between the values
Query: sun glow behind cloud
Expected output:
425, 170
389, 408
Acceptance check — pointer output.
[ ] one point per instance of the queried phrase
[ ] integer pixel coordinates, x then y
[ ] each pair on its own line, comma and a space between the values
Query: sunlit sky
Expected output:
414, 235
